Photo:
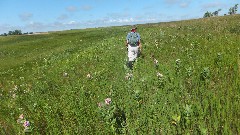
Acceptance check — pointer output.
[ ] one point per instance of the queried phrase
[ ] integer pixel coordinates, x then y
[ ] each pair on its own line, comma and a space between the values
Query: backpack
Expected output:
133, 38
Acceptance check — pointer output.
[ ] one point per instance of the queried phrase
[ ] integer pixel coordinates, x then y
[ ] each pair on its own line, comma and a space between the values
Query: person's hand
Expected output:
140, 47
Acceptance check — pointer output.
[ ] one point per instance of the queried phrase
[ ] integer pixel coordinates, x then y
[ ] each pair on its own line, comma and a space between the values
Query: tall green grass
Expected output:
59, 81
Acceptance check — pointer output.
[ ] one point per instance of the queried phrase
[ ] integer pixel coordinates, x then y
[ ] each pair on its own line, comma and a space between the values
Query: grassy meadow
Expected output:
186, 81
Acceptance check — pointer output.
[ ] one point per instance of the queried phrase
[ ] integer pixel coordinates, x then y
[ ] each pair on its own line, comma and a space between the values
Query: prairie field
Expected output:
186, 80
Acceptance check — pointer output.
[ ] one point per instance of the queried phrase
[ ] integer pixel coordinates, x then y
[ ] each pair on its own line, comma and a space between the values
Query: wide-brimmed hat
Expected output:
134, 27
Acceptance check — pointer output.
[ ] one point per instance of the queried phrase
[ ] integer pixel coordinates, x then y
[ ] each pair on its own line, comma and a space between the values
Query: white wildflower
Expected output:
65, 74
159, 75
155, 61
89, 76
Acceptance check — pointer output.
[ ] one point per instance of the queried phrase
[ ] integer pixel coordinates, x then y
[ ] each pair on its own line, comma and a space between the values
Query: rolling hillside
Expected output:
186, 80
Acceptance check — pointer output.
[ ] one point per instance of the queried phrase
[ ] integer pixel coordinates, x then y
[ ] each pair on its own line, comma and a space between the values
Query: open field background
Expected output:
59, 81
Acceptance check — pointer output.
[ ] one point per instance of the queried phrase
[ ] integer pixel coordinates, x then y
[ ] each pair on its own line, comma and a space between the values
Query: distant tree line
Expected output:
232, 10
16, 32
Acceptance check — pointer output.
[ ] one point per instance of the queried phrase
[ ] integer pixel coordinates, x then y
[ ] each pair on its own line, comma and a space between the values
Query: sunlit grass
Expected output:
185, 82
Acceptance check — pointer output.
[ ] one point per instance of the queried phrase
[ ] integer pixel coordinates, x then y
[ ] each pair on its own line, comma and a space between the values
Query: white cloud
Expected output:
171, 1
25, 16
180, 3
120, 20
102, 22
5, 28
63, 17
213, 5
86, 7
71, 8
35, 25
148, 7
118, 15
71, 23
184, 5
113, 19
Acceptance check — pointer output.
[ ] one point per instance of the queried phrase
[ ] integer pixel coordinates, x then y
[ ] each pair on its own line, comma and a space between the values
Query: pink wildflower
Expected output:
107, 101
21, 116
26, 124
100, 105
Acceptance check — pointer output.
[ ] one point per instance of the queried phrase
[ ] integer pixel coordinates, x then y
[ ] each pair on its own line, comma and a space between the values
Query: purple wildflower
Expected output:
107, 101
26, 124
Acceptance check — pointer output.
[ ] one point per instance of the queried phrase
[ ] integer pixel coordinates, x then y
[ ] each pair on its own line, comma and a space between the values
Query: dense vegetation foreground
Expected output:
186, 81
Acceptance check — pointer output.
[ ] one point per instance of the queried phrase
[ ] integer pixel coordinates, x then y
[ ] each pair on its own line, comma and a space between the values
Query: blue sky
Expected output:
51, 15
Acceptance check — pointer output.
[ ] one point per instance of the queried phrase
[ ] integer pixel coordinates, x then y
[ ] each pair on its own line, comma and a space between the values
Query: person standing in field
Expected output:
133, 45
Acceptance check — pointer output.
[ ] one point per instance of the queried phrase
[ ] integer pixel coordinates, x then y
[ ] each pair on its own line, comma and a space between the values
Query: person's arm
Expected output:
139, 42
127, 40
140, 45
